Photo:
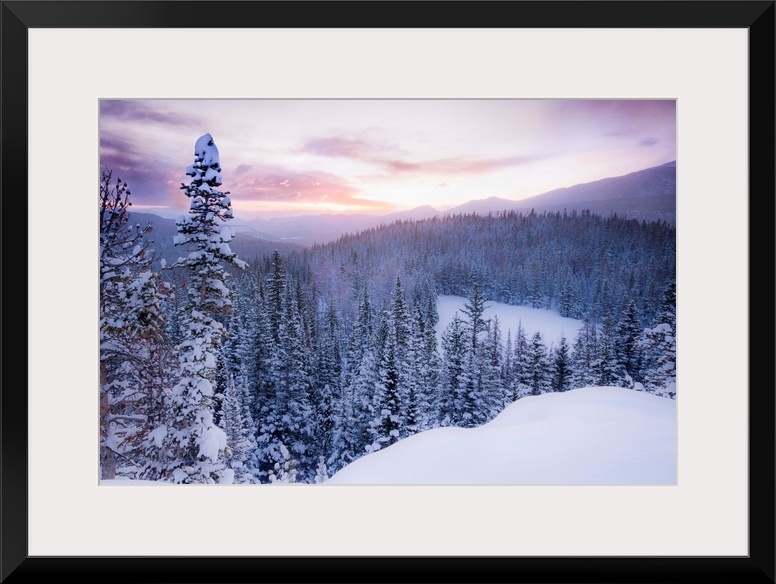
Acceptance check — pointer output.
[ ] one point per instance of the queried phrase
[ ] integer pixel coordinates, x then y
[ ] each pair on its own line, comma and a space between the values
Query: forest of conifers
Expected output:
287, 367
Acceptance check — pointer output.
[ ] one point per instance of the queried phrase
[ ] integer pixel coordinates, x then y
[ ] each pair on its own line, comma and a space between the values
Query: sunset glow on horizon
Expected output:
295, 157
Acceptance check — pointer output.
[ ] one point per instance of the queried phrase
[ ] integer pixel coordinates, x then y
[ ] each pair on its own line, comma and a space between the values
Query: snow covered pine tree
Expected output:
132, 342
196, 442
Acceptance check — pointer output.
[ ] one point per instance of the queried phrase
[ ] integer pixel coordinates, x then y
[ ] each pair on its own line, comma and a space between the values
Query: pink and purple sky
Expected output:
295, 157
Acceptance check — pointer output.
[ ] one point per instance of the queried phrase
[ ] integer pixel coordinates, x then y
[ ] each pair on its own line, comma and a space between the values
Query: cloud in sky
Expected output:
243, 168
153, 182
137, 111
373, 153
458, 166
352, 155
345, 147
267, 183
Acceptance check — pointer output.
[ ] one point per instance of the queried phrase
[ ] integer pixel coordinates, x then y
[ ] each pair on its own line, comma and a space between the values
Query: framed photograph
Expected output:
364, 298
297, 103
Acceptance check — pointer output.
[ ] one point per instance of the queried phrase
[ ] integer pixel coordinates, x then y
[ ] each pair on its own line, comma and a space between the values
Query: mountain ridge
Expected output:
649, 193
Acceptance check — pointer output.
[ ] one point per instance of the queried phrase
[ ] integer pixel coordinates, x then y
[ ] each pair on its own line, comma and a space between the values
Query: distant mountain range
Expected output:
310, 229
648, 194
247, 244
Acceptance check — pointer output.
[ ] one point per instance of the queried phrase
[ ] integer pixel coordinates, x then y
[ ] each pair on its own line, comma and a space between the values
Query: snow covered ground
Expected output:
548, 322
592, 435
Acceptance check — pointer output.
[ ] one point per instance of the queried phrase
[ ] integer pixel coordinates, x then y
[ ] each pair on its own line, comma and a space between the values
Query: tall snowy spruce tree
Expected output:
196, 444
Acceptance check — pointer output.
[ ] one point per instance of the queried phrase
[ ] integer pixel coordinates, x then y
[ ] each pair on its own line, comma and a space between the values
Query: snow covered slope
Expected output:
592, 435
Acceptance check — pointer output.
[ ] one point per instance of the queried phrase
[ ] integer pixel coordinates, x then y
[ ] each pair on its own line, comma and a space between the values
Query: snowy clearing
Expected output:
548, 322
592, 435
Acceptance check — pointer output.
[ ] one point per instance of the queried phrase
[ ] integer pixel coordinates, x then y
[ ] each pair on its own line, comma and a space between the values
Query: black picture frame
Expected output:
757, 17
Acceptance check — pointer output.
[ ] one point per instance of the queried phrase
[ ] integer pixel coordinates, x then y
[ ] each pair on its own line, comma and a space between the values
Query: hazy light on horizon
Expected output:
286, 157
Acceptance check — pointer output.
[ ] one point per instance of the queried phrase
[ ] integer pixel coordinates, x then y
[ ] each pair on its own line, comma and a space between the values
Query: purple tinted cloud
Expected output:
465, 166
616, 109
152, 181
134, 111
648, 141
376, 154
336, 147
242, 169
630, 118
277, 183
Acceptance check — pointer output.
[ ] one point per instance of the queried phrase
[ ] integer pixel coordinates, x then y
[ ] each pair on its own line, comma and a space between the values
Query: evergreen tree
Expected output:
508, 371
196, 443
500, 390
584, 355
627, 341
355, 409
361, 335
490, 390
658, 344
354, 430
289, 421
539, 381
326, 388
402, 324
420, 374
134, 349
276, 291
249, 346
452, 374
561, 371
240, 442
266, 362
387, 425
139, 376
567, 305
667, 311
474, 310
521, 377
481, 391
124, 247
426, 353
399, 390
606, 367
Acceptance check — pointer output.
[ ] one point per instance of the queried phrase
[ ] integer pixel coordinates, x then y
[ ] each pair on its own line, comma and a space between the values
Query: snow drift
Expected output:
592, 435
